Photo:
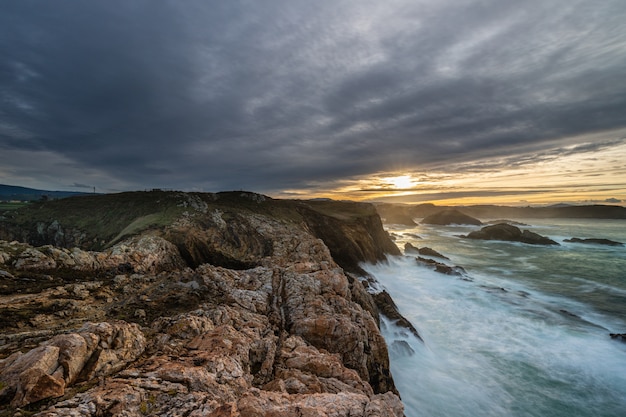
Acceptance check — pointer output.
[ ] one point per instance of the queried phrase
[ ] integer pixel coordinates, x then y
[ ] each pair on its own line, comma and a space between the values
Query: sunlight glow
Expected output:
401, 182
588, 172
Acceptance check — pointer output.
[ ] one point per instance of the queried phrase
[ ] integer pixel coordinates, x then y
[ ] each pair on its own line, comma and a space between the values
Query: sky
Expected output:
447, 101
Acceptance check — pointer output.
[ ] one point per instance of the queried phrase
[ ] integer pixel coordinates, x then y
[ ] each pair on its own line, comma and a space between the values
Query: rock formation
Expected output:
507, 232
450, 216
594, 241
426, 251
239, 310
442, 268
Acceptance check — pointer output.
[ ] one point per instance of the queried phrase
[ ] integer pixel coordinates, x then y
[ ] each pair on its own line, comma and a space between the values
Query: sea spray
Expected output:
506, 342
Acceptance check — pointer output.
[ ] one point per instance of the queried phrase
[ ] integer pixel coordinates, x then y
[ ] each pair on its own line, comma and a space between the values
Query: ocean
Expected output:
524, 333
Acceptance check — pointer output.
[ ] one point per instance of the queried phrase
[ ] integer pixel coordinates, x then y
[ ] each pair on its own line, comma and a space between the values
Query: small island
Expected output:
509, 233
594, 241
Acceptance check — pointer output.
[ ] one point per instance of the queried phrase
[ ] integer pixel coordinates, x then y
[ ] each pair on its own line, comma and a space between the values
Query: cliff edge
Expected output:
228, 304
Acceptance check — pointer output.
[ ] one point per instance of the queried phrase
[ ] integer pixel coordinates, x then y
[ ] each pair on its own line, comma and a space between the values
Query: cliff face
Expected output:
233, 310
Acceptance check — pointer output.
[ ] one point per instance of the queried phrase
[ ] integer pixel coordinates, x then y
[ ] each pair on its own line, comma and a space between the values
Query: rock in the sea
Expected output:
594, 241
618, 336
450, 216
441, 267
426, 251
507, 232
409, 248
390, 310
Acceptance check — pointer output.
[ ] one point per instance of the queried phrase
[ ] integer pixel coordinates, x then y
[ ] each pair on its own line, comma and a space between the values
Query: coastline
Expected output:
279, 325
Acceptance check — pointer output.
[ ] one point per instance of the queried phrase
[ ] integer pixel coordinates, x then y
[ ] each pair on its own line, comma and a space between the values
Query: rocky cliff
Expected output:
237, 305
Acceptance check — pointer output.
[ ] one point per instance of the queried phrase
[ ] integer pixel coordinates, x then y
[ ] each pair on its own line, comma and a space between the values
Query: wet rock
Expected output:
401, 348
387, 307
441, 267
450, 216
409, 248
426, 251
507, 232
594, 241
618, 336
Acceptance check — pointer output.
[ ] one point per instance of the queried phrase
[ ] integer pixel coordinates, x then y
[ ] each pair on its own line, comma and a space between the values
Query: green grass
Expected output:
6, 205
103, 217
106, 219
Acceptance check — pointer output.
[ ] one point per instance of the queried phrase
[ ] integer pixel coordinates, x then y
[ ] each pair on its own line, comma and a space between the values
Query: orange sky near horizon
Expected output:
575, 174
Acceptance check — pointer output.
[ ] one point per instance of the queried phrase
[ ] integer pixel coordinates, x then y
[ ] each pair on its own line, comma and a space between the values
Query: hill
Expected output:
15, 193
400, 212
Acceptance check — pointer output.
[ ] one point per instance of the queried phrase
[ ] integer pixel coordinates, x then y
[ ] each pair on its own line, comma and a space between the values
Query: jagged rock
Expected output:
618, 336
441, 267
450, 216
426, 251
282, 330
44, 372
594, 241
409, 248
147, 253
390, 310
507, 232
32, 258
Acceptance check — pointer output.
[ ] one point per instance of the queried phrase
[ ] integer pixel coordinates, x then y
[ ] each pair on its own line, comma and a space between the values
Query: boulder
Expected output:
510, 233
450, 216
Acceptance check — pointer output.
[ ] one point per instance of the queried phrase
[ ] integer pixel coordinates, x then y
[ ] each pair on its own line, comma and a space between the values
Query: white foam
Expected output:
496, 352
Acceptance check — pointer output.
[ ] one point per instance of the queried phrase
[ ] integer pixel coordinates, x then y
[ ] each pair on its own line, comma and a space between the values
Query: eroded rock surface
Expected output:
134, 331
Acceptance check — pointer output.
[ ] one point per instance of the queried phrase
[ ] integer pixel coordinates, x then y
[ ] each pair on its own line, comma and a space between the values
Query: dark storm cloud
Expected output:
281, 94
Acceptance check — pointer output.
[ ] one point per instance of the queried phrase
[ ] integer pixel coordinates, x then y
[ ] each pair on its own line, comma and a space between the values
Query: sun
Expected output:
401, 182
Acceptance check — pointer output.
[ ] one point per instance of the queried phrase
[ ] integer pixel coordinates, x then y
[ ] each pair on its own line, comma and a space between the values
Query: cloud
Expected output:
78, 185
283, 94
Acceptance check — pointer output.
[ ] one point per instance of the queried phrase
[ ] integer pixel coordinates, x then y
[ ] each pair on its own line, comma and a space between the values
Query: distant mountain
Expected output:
15, 193
394, 213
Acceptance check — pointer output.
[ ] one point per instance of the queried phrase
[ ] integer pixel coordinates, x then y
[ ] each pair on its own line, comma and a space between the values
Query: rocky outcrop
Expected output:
442, 268
450, 216
94, 351
136, 331
618, 336
146, 253
350, 240
388, 307
426, 251
507, 232
594, 241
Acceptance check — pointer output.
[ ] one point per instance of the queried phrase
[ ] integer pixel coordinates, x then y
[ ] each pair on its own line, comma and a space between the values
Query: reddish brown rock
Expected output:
281, 331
